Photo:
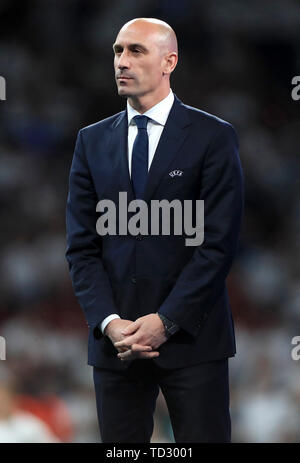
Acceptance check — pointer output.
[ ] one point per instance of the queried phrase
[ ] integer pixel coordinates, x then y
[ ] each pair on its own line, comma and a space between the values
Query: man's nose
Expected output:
123, 62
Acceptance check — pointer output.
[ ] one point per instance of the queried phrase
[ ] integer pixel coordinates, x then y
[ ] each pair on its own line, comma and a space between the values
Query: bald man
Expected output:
157, 309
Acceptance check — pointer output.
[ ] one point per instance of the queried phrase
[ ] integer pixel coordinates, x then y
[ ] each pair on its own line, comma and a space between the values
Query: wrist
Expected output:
106, 321
169, 326
109, 326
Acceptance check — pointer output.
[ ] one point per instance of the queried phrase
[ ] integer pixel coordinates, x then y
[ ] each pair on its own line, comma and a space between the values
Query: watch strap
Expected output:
170, 327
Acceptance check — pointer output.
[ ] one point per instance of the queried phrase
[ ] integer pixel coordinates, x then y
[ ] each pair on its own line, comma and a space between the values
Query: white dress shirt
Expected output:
158, 115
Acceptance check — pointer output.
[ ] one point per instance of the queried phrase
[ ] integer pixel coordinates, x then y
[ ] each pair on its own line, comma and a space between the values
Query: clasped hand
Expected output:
142, 338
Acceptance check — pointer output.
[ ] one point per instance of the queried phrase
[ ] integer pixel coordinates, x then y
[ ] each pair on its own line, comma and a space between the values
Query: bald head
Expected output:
160, 31
146, 54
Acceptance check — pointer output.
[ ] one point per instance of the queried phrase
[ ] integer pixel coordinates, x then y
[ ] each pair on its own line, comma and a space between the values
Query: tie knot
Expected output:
141, 121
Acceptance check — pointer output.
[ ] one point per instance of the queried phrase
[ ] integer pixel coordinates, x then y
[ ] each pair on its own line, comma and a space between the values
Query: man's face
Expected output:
138, 61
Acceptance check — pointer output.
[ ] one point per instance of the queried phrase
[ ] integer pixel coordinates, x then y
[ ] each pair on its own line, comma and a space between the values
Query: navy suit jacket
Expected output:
135, 277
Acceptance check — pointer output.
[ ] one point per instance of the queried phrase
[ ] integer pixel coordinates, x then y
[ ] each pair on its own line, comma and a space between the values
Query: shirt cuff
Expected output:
107, 320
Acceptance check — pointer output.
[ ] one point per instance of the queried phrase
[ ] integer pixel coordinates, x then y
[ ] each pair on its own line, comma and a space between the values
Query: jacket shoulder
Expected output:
207, 120
103, 124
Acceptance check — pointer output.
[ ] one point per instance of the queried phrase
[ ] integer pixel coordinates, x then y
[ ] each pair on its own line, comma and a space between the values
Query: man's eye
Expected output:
136, 51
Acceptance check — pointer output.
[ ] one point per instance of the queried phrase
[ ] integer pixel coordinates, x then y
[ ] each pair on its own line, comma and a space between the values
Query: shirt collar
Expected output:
158, 113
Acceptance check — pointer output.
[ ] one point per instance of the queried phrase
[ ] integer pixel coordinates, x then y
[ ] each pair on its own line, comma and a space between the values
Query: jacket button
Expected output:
133, 280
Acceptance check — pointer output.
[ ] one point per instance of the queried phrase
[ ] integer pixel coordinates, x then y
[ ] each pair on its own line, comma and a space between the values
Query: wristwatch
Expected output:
170, 326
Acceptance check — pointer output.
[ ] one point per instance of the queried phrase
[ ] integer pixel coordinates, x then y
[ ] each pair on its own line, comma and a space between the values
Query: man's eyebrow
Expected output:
117, 46
138, 45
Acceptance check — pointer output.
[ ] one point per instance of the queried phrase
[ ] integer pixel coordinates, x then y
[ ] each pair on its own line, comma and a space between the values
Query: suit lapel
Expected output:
171, 140
119, 148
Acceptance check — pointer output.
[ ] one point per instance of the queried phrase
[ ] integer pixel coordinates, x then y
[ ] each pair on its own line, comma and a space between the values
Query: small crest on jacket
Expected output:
176, 172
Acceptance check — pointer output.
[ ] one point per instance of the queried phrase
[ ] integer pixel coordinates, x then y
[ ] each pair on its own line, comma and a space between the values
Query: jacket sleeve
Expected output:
83, 253
202, 280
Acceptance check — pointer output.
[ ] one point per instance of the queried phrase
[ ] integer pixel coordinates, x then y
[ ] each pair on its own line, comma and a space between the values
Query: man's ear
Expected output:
171, 61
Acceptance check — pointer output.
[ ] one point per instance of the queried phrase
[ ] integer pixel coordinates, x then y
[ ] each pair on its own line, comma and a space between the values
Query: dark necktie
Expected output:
139, 160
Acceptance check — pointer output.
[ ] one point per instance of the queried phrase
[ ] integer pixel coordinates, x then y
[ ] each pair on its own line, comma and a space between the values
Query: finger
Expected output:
130, 329
122, 349
125, 342
127, 355
140, 348
134, 351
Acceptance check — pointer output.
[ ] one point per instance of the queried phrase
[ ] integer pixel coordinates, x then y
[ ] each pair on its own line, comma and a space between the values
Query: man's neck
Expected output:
146, 102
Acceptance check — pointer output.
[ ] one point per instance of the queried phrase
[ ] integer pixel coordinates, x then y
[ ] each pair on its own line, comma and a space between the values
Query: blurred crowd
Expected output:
235, 62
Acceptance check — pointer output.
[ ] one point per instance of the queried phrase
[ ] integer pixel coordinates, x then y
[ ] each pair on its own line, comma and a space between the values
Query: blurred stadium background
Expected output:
236, 60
